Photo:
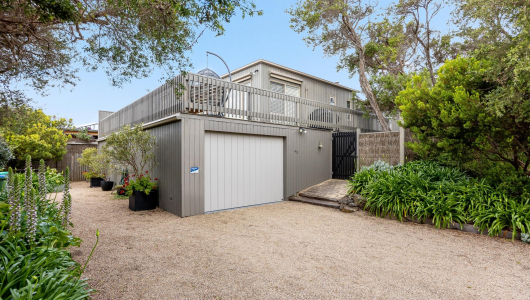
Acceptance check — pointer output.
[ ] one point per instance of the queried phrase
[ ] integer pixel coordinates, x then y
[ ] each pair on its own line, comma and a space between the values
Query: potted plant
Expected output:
98, 164
107, 185
132, 148
94, 178
142, 192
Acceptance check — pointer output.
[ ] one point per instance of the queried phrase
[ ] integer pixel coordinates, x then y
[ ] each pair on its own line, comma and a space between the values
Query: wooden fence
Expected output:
74, 149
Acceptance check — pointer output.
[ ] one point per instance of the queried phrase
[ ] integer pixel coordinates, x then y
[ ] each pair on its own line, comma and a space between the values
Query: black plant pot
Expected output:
95, 182
141, 201
107, 185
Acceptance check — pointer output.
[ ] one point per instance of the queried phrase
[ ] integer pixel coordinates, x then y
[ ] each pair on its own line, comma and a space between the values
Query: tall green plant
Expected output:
131, 147
6, 154
428, 190
66, 205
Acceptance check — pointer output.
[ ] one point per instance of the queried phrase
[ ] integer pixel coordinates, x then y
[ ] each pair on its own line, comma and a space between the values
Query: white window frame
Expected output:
285, 84
332, 100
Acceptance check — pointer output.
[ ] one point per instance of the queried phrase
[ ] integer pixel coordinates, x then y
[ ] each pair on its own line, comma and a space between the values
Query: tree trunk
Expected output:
367, 90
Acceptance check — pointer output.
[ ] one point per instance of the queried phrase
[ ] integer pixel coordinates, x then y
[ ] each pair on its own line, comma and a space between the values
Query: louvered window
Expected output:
279, 106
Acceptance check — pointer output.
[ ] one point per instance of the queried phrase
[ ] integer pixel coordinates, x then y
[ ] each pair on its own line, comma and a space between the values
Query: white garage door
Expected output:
242, 170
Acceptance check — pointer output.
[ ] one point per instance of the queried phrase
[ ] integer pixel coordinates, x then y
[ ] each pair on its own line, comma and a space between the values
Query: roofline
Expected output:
290, 70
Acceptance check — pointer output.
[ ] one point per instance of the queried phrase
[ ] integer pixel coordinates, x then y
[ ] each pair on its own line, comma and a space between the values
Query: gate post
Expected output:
401, 145
357, 158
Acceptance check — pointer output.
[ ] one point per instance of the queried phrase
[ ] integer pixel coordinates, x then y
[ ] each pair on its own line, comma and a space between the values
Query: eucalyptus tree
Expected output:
433, 45
339, 27
43, 43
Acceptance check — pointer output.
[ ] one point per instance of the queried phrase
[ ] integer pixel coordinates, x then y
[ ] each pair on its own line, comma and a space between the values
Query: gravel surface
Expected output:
287, 250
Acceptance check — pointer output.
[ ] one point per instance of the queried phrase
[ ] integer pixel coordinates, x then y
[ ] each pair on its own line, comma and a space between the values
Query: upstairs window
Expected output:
332, 100
280, 107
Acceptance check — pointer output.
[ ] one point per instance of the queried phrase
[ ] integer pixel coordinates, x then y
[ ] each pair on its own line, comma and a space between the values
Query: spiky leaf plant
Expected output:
66, 205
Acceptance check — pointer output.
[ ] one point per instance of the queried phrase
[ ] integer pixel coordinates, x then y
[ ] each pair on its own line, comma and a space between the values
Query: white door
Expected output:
242, 170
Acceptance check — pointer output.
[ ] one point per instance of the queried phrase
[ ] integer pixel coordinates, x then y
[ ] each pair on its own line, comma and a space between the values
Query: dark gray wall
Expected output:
304, 163
168, 170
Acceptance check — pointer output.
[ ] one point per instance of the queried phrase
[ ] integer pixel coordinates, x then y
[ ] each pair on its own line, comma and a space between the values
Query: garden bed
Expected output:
443, 196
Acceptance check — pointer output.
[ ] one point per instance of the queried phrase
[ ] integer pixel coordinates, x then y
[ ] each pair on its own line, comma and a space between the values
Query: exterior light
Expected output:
320, 144
302, 130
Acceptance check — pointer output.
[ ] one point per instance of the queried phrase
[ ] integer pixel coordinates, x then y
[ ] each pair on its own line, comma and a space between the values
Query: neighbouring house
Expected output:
259, 138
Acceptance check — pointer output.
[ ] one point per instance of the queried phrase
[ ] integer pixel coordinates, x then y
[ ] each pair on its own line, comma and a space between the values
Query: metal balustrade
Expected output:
197, 94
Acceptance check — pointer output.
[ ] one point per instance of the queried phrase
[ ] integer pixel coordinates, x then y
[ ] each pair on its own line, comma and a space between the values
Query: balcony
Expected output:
197, 94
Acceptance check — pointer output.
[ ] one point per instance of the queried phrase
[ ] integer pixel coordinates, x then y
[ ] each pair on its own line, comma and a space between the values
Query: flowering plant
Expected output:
89, 175
141, 183
84, 135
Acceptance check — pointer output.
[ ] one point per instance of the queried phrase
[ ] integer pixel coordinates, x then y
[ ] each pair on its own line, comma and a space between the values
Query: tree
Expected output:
131, 147
460, 114
5, 154
434, 46
339, 26
98, 164
42, 41
388, 53
31, 132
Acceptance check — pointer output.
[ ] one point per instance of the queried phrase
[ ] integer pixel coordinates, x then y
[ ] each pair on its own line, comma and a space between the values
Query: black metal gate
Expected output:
344, 154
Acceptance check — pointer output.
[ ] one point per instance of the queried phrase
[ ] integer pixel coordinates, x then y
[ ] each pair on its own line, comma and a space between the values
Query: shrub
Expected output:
84, 135
97, 163
140, 184
5, 154
427, 189
35, 262
132, 148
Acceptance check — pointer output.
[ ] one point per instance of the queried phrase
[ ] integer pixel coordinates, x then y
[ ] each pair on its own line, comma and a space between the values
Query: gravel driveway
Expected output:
287, 250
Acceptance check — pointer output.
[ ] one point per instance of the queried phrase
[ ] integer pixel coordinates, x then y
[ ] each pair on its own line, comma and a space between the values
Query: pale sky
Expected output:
267, 37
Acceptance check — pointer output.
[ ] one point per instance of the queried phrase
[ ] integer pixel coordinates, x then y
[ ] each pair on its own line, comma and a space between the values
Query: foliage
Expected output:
525, 238
84, 135
5, 154
98, 163
379, 166
39, 273
339, 27
34, 241
53, 180
30, 131
140, 184
44, 41
383, 45
132, 148
457, 116
427, 189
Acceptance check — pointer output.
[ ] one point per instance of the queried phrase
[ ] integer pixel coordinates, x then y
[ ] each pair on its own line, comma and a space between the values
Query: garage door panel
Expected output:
242, 170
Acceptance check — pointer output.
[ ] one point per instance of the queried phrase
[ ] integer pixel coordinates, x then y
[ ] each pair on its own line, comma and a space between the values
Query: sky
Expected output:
266, 37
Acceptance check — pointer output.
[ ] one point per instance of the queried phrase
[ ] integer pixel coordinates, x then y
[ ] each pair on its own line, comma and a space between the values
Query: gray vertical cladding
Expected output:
304, 163
168, 154
180, 146
311, 89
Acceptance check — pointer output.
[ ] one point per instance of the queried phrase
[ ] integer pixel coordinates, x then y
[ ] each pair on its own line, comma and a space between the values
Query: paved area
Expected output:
287, 250
333, 189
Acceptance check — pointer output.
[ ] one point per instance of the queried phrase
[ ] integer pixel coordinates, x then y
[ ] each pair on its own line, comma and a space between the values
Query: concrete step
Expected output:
317, 196
319, 202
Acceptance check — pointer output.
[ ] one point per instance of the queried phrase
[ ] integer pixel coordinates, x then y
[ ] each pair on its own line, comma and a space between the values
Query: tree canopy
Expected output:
30, 131
383, 45
43, 42
480, 107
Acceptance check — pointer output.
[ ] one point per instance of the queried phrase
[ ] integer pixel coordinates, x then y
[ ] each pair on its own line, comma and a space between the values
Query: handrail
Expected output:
206, 96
